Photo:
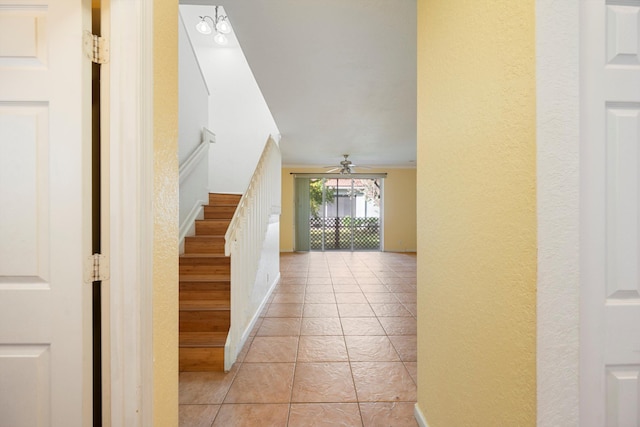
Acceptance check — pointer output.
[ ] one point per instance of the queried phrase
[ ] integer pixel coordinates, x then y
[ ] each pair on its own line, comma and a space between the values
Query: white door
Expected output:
610, 214
45, 140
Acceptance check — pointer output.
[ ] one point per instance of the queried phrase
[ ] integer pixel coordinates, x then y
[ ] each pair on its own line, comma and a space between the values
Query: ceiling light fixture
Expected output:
220, 24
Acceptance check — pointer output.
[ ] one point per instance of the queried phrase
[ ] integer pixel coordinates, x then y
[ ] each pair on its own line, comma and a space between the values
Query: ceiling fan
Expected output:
346, 166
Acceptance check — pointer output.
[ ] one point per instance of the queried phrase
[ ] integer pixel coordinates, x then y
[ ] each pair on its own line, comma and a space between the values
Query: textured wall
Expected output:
399, 208
476, 213
165, 208
558, 109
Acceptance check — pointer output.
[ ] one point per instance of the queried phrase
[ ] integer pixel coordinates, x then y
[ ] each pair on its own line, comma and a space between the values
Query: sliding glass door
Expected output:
338, 213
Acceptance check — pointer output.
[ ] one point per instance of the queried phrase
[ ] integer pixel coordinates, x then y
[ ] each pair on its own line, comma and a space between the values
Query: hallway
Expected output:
335, 346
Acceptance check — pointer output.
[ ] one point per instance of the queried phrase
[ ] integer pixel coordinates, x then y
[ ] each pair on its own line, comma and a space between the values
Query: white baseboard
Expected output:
422, 422
188, 226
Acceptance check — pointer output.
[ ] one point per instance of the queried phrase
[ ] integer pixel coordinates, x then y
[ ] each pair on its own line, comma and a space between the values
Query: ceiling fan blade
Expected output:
332, 170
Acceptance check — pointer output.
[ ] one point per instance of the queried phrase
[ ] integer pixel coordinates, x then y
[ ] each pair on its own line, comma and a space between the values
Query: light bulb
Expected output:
203, 27
223, 26
221, 39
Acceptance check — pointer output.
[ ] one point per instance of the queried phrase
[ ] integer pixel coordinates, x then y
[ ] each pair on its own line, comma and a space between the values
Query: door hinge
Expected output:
96, 48
96, 268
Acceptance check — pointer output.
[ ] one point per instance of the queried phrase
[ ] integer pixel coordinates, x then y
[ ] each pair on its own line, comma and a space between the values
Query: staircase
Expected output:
205, 291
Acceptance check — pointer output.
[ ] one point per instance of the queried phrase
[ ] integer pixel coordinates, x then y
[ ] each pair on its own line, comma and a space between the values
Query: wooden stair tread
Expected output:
204, 305
201, 255
203, 339
204, 277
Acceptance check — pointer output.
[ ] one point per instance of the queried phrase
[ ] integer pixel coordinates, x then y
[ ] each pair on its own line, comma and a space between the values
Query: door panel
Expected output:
610, 214
44, 226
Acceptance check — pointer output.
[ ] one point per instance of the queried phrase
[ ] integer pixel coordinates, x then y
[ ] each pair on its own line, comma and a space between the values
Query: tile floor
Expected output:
334, 346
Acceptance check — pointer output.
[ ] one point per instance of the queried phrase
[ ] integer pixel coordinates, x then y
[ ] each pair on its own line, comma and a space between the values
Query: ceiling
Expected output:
339, 76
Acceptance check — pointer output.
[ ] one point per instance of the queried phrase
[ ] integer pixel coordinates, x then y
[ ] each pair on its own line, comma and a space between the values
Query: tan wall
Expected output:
165, 207
477, 213
399, 208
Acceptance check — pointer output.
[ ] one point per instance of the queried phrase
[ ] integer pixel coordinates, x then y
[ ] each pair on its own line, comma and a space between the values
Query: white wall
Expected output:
193, 115
240, 119
193, 104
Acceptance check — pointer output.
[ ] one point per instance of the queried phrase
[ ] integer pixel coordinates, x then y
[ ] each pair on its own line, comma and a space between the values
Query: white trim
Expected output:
187, 226
417, 413
131, 193
189, 165
230, 353
558, 140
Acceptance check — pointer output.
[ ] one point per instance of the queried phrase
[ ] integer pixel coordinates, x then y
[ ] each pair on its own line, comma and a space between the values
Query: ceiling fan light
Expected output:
223, 26
203, 26
221, 39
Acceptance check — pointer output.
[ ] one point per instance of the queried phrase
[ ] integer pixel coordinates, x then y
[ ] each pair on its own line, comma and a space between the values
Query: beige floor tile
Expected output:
412, 307
406, 347
339, 281
399, 325
319, 289
289, 289
262, 383
323, 382
284, 280
205, 387
252, 415
371, 349
368, 280
281, 298
279, 326
319, 298
346, 289
324, 415
406, 297
320, 310
197, 415
319, 326
319, 279
383, 381
384, 414
373, 288
412, 367
401, 289
380, 297
284, 310
244, 351
390, 310
355, 310
322, 349
272, 349
351, 298
361, 326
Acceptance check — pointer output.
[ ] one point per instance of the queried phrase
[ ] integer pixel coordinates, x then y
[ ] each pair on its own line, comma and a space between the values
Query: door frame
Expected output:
319, 175
558, 45
130, 196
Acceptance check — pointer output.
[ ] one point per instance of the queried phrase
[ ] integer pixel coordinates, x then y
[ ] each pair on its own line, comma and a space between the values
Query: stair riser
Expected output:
204, 245
219, 212
224, 199
204, 321
212, 227
201, 359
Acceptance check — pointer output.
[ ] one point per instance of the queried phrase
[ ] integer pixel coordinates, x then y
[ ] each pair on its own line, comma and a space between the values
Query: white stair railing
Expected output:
245, 237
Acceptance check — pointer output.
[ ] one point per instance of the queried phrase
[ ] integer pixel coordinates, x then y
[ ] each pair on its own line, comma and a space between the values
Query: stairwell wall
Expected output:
193, 117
